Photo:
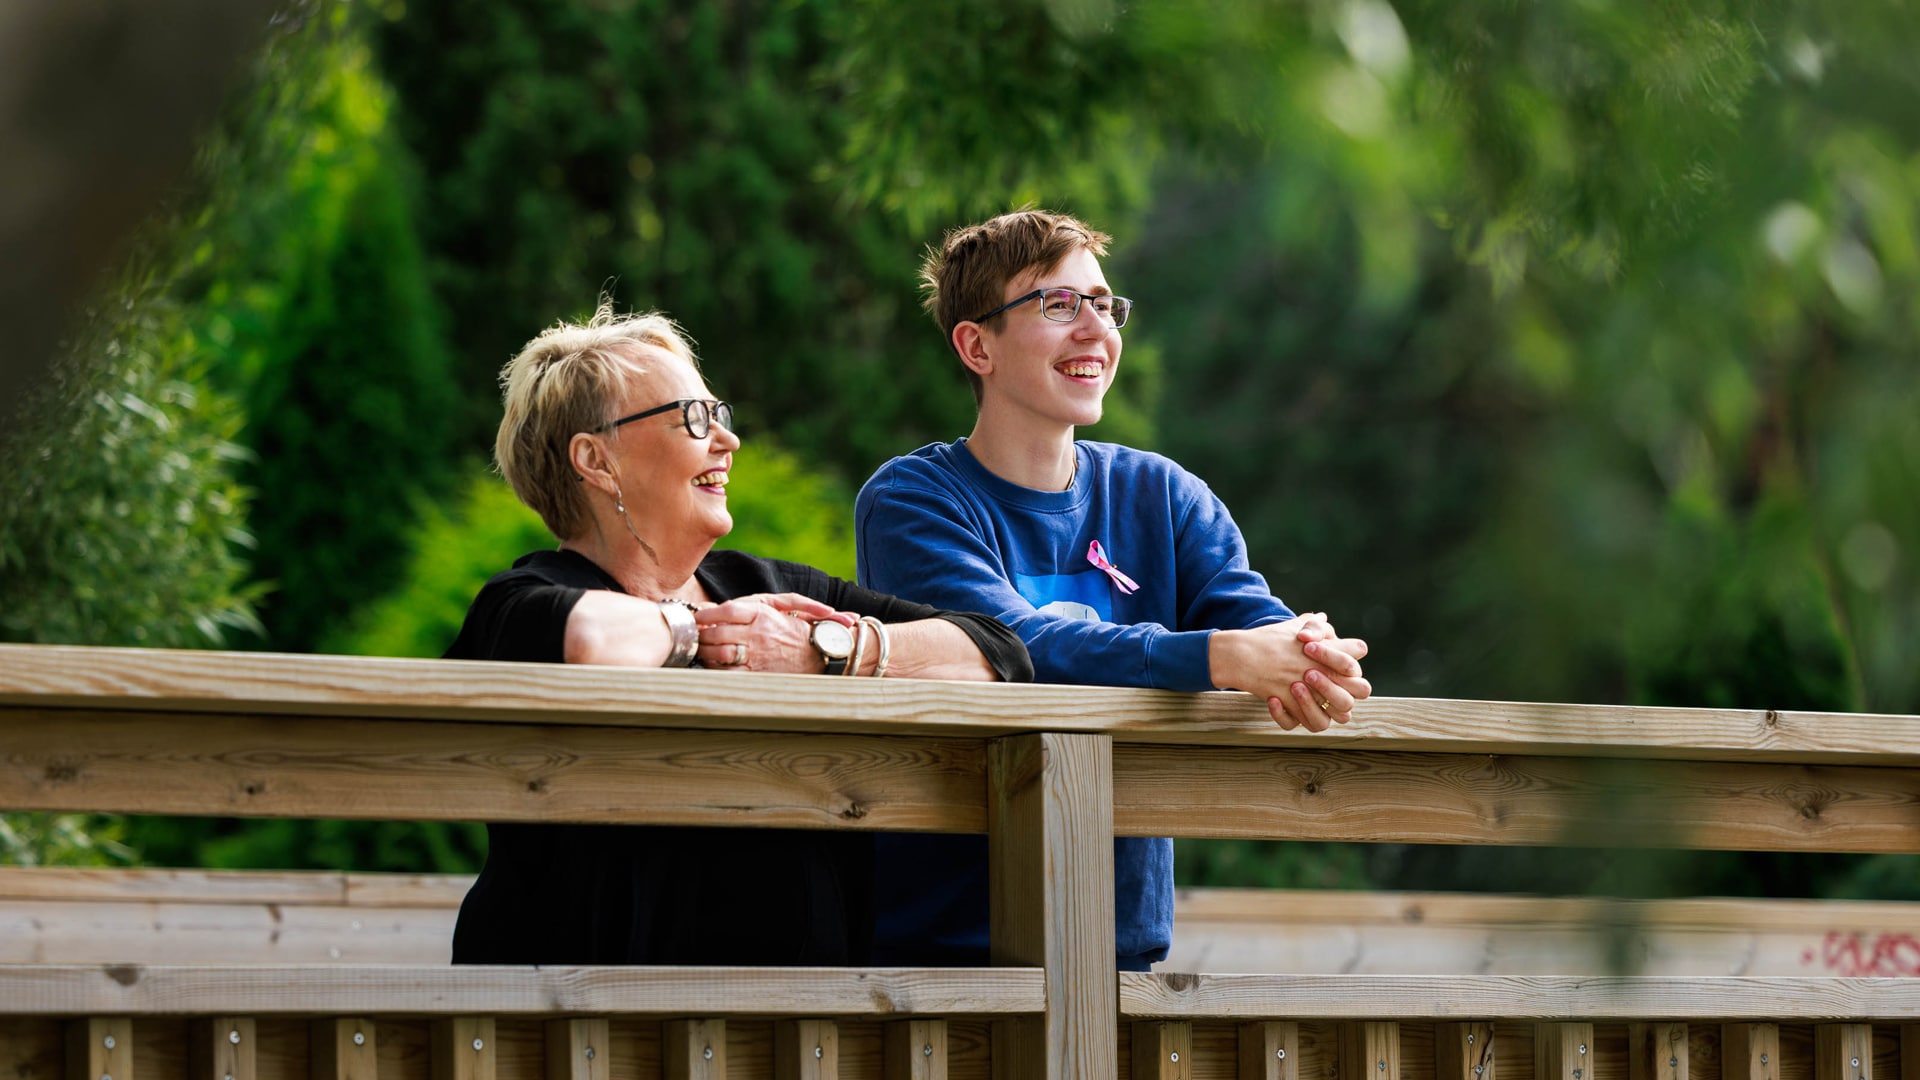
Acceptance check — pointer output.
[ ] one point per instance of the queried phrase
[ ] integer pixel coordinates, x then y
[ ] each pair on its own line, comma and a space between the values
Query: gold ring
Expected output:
1326, 706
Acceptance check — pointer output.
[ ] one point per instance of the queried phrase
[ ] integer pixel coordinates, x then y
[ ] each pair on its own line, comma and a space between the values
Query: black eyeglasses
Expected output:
699, 416
1063, 305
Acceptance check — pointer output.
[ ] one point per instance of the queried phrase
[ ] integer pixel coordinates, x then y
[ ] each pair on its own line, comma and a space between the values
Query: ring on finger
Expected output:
739, 655
1326, 706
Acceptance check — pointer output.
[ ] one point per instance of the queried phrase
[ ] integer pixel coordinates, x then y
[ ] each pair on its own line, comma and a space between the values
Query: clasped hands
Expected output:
755, 633
1308, 674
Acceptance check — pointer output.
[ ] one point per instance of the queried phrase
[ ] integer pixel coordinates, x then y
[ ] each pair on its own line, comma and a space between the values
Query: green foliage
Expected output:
121, 518
328, 331
63, 840
233, 844
688, 154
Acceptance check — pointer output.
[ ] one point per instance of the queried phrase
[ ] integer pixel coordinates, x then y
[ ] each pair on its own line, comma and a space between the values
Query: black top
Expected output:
627, 894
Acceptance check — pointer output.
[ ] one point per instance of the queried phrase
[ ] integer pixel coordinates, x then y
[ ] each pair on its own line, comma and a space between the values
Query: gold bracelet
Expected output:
879, 631
859, 648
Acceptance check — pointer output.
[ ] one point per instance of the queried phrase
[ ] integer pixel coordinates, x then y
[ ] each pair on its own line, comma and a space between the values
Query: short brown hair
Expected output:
562, 383
968, 273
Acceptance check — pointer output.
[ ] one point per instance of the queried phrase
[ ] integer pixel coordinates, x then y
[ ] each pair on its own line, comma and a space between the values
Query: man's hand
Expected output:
1308, 674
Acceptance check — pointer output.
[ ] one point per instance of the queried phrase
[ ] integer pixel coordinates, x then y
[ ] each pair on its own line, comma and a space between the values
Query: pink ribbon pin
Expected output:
1099, 558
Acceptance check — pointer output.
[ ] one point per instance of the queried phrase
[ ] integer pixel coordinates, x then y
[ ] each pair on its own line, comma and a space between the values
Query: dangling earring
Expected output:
620, 504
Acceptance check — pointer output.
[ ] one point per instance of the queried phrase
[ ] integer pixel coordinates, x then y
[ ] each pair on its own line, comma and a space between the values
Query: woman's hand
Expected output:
764, 632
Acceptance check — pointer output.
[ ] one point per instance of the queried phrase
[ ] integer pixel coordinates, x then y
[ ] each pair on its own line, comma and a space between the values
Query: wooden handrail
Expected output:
271, 684
1051, 773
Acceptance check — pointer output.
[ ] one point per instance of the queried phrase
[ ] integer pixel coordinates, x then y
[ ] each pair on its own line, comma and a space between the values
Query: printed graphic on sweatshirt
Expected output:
1086, 595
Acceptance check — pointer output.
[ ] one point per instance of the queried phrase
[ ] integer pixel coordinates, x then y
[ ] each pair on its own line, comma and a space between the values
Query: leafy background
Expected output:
1566, 352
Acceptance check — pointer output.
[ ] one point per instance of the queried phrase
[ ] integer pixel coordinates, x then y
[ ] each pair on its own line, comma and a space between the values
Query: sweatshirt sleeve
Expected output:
1219, 589
917, 542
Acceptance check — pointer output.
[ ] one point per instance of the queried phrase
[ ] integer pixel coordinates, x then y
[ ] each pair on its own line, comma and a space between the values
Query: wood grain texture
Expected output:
1370, 1050
265, 684
344, 1048
1563, 1051
915, 1050
1049, 830
1421, 997
1161, 1050
1843, 1051
1750, 1052
292, 766
1455, 799
100, 1048
463, 1048
1658, 1051
693, 1049
806, 1050
1910, 1052
578, 1049
1375, 933
1267, 1050
260, 990
223, 1048
1464, 1050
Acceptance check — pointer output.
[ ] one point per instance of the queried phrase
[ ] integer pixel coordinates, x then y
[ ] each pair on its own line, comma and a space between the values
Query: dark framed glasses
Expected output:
697, 414
1063, 305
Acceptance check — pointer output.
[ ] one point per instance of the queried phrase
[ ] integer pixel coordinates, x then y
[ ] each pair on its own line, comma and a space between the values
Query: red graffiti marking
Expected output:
1881, 955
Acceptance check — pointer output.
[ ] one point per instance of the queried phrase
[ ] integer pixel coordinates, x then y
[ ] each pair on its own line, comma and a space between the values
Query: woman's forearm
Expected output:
928, 649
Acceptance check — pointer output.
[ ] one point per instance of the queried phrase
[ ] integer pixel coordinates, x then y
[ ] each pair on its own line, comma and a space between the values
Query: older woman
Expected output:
612, 436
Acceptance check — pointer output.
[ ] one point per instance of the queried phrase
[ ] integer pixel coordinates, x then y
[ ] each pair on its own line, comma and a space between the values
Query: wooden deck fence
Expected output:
1050, 773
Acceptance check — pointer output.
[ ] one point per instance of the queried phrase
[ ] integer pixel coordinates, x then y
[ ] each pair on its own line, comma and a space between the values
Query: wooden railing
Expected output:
1050, 773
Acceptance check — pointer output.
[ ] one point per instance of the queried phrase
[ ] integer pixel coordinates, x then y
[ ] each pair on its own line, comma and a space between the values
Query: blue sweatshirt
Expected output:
936, 527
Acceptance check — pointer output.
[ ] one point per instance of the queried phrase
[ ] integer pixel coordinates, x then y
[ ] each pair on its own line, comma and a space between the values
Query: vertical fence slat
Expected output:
693, 1049
806, 1050
1750, 1052
915, 1050
1657, 1051
1843, 1052
100, 1048
463, 1048
342, 1048
1162, 1050
1370, 1050
1910, 1052
1563, 1052
221, 1048
577, 1050
1050, 841
1269, 1050
1463, 1050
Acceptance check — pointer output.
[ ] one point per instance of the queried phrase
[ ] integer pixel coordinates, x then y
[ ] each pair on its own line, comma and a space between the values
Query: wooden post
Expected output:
577, 1050
1463, 1051
100, 1048
915, 1050
1050, 838
1843, 1052
1910, 1052
463, 1048
342, 1049
1370, 1050
806, 1050
1162, 1050
1563, 1052
693, 1050
1269, 1050
1750, 1052
221, 1048
1657, 1052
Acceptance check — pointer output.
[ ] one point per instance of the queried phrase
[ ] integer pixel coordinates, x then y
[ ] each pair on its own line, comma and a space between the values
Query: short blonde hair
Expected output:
967, 275
561, 384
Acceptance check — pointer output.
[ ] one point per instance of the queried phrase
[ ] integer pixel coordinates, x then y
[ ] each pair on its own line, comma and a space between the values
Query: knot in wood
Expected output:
854, 811
536, 786
1311, 788
61, 772
124, 974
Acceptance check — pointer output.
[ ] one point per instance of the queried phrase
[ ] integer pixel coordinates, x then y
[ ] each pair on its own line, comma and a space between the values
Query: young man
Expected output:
1116, 566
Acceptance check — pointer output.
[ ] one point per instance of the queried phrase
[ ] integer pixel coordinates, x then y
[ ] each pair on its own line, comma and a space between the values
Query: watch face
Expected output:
833, 639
